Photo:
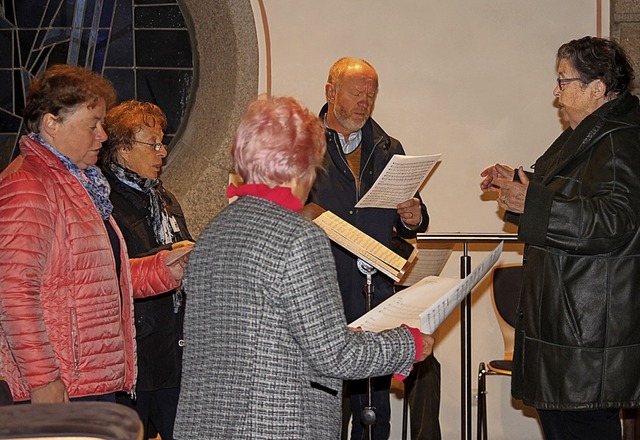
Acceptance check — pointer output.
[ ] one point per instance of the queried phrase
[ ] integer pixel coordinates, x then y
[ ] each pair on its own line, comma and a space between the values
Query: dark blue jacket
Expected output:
335, 190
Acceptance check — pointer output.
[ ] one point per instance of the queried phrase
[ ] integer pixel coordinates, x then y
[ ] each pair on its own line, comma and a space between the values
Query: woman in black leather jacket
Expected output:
151, 220
577, 358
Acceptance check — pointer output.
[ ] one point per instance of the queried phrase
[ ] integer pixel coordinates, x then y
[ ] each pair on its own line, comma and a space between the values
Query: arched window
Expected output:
142, 46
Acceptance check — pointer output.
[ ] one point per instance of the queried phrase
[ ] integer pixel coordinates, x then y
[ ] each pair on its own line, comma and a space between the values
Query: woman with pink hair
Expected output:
266, 340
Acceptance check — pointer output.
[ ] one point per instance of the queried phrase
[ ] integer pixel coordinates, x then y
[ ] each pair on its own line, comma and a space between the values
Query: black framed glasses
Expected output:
562, 82
157, 146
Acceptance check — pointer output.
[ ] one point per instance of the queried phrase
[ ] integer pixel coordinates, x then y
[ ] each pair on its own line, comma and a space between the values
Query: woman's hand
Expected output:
512, 195
176, 259
428, 341
53, 392
493, 172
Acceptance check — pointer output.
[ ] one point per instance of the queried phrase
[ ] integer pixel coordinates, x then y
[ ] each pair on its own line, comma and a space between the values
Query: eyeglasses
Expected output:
157, 146
562, 82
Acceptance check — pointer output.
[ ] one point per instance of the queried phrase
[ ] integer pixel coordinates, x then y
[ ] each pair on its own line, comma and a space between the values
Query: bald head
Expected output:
347, 66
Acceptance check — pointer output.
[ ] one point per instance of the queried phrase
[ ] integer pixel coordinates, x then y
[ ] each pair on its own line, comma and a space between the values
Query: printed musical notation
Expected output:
426, 304
399, 181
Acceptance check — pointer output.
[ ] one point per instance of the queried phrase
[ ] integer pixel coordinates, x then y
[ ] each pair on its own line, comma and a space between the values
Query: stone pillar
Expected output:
225, 49
625, 29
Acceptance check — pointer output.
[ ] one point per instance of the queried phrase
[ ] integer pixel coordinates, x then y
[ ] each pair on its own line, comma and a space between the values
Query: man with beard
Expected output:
358, 149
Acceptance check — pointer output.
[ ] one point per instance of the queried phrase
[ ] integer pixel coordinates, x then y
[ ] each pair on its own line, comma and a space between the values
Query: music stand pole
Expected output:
465, 347
368, 415
465, 312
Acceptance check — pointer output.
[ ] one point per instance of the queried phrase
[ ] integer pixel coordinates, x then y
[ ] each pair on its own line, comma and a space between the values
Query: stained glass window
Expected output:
142, 46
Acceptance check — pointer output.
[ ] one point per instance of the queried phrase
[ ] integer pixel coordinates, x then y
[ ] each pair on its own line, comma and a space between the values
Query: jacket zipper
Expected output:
336, 142
373, 150
121, 303
75, 342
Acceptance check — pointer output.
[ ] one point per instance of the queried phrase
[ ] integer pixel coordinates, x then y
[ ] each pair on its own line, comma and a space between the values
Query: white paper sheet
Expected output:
399, 181
428, 262
361, 245
426, 304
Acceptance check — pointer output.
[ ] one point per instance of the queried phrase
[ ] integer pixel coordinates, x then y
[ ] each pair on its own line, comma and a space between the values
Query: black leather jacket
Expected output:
335, 190
578, 329
158, 329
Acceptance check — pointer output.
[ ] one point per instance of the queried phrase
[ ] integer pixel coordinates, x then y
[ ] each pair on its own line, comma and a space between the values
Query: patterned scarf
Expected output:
91, 179
160, 220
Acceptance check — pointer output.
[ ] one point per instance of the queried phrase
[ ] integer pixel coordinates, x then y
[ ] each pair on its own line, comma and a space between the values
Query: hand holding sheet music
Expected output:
179, 251
399, 181
426, 304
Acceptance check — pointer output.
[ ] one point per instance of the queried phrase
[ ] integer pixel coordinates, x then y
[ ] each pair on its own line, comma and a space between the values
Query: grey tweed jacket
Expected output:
267, 345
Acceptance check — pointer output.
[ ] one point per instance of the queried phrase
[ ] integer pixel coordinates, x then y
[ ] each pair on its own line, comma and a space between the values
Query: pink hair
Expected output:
277, 141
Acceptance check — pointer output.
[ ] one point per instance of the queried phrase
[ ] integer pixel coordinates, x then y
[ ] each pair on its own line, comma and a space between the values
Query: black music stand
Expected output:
465, 312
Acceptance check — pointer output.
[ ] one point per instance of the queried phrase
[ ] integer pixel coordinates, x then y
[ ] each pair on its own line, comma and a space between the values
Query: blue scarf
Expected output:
91, 179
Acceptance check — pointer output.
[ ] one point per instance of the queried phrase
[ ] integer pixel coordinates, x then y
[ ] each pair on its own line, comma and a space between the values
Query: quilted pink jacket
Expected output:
63, 311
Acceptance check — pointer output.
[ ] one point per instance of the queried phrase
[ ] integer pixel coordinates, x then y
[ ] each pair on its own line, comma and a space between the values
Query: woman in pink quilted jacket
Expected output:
66, 284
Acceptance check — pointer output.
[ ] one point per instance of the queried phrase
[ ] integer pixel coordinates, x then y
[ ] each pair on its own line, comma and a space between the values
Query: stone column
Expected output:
625, 29
225, 51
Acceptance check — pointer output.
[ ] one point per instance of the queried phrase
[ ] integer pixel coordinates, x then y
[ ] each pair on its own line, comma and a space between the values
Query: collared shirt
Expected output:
348, 146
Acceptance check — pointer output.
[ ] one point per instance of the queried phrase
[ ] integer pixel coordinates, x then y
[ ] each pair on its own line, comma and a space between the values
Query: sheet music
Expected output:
363, 246
426, 304
428, 262
399, 181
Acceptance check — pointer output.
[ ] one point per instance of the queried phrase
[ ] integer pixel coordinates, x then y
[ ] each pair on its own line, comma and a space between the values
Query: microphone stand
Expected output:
368, 415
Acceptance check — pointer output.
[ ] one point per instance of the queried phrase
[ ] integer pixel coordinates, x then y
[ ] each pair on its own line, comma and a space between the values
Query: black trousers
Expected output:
603, 424
422, 389
156, 409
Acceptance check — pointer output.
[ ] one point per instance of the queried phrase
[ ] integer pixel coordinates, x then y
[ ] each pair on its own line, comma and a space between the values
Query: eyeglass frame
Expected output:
157, 146
563, 82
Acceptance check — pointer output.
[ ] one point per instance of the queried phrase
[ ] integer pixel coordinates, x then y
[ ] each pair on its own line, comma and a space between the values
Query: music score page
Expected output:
426, 304
360, 244
399, 181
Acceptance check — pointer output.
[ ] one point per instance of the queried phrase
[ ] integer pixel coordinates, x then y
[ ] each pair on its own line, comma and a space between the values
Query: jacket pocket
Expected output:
323, 388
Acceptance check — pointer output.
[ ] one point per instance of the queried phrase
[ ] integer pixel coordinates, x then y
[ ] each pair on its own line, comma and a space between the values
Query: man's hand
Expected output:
54, 392
410, 212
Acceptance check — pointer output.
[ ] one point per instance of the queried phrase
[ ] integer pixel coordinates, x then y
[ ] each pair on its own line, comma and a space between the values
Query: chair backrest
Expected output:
505, 289
76, 420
